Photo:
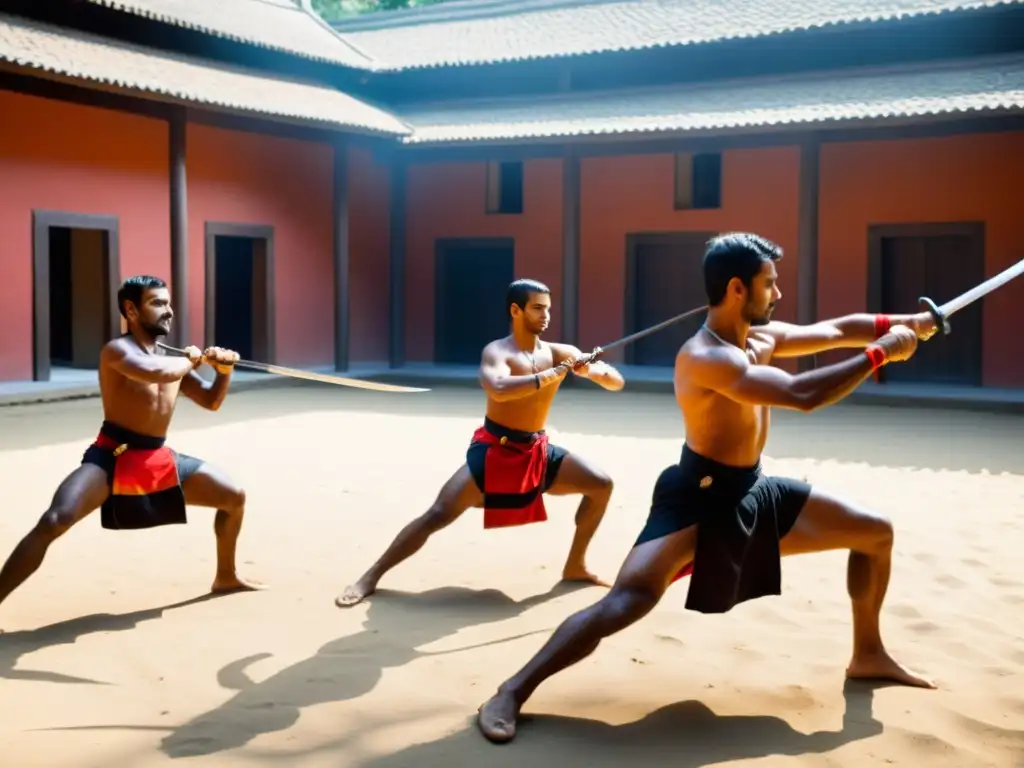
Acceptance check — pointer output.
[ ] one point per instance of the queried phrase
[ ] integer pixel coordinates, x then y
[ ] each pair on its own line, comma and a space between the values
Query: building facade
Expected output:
363, 194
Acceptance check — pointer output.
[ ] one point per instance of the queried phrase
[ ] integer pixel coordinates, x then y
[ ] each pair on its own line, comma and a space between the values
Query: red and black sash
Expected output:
145, 490
515, 466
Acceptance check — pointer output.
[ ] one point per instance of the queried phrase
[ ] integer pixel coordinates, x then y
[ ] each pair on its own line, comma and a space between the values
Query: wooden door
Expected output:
472, 279
665, 277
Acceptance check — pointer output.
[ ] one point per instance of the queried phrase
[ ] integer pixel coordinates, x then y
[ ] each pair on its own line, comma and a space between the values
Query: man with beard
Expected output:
510, 464
128, 473
714, 515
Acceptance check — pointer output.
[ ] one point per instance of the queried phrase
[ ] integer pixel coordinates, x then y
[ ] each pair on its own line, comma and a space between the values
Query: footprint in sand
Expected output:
926, 557
950, 581
905, 611
973, 562
1000, 581
924, 627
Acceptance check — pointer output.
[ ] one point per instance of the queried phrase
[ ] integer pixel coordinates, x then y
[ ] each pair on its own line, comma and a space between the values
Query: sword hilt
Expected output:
934, 311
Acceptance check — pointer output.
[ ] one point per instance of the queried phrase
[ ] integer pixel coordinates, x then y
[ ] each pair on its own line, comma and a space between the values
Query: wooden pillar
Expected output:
180, 334
341, 259
396, 298
807, 240
570, 246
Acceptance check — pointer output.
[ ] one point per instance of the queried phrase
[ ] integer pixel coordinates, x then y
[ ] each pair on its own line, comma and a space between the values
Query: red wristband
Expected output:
875, 355
882, 325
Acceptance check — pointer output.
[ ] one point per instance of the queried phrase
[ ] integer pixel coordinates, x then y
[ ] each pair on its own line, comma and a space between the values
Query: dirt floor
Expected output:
113, 656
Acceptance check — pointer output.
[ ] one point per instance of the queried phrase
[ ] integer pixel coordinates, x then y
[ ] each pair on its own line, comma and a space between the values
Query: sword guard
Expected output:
940, 320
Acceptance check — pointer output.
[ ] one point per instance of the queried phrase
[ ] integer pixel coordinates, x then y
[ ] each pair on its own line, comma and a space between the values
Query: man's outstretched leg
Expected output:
457, 495
642, 580
81, 493
827, 523
208, 487
575, 475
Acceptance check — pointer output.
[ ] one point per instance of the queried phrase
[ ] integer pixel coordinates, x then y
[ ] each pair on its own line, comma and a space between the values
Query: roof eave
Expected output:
822, 127
158, 97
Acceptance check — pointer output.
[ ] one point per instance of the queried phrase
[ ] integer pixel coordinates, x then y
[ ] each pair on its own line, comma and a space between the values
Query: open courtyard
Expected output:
112, 654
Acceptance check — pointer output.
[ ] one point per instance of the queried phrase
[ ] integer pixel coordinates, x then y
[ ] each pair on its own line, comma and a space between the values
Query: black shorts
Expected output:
742, 516
477, 452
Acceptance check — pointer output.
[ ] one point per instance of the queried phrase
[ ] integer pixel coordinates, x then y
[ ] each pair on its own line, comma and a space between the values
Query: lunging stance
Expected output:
510, 464
714, 515
128, 473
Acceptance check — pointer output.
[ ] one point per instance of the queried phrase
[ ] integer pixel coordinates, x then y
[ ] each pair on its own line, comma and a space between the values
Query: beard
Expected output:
758, 318
156, 331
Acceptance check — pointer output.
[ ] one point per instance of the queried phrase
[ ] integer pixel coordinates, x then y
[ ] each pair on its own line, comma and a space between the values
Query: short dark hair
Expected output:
133, 288
735, 254
519, 292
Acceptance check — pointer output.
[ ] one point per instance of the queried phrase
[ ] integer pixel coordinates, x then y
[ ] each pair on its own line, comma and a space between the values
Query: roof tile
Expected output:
982, 85
101, 60
478, 32
276, 24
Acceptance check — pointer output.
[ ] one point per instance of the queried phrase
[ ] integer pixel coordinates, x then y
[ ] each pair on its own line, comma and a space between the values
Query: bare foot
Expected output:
882, 666
497, 718
579, 573
225, 584
355, 594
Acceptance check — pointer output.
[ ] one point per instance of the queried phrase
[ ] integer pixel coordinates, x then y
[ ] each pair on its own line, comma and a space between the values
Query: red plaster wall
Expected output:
961, 178
448, 200
64, 157
369, 191
248, 178
623, 195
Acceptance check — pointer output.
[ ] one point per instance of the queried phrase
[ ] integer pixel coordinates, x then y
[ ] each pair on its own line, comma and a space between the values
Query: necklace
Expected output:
533, 362
705, 327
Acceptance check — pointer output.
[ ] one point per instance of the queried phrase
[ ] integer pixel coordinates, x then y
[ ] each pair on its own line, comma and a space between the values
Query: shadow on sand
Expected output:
684, 735
397, 623
14, 645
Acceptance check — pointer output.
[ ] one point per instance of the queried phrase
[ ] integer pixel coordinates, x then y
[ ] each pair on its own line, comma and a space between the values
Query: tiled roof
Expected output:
282, 25
483, 31
983, 85
87, 57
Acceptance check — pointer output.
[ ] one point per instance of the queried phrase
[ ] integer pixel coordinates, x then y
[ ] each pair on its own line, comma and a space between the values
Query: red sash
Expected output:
513, 478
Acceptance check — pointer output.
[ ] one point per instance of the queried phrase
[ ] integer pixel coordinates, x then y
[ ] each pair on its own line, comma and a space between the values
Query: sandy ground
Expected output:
113, 656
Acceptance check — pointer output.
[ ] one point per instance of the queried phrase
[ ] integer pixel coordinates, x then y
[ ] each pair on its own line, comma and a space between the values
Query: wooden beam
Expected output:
570, 246
342, 283
178, 129
807, 240
396, 297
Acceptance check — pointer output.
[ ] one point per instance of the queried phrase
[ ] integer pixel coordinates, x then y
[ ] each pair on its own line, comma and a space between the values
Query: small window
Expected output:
698, 180
505, 187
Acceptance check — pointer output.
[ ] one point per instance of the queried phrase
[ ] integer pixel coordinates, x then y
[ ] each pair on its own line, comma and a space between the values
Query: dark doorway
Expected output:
239, 289
664, 277
472, 278
76, 273
939, 261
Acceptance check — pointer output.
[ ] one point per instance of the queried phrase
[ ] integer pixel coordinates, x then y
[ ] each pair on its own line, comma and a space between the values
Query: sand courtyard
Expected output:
113, 655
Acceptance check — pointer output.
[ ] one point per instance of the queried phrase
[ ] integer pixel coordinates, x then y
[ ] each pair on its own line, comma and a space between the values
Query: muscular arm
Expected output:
847, 332
599, 372
730, 373
498, 382
135, 364
205, 394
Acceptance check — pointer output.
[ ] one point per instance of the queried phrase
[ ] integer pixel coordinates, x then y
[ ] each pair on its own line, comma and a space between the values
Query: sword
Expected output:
955, 305
640, 334
298, 373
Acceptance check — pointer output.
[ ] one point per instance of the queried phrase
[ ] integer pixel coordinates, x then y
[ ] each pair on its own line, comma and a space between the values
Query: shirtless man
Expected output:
715, 510
509, 464
127, 472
